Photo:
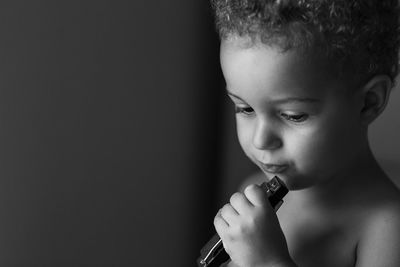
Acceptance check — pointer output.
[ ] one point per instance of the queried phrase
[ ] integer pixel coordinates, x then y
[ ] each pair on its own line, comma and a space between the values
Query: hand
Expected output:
250, 230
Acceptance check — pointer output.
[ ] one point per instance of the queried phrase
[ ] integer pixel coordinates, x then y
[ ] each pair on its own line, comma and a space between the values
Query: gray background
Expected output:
108, 148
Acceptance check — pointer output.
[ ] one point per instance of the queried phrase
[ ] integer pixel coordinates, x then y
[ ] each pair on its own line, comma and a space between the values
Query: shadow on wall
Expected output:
392, 169
384, 137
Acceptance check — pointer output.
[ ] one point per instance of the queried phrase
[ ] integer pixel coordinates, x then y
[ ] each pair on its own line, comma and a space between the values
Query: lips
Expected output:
273, 168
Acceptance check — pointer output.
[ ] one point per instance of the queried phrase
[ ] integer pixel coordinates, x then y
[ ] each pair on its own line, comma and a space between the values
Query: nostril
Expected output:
267, 142
274, 143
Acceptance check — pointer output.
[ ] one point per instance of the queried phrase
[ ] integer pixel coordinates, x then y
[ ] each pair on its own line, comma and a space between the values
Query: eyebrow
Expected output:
284, 100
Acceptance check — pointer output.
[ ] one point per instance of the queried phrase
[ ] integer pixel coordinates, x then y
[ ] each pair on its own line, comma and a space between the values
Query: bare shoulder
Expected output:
379, 242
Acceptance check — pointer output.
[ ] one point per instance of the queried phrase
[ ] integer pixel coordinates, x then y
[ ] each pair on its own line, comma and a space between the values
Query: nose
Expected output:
266, 137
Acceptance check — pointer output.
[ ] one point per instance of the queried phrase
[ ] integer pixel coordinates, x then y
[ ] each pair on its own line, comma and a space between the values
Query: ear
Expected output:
375, 96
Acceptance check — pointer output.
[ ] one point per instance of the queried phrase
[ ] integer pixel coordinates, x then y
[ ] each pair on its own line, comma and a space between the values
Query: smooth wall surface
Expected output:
108, 137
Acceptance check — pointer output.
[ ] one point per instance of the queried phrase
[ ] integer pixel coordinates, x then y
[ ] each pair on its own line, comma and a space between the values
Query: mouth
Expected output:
273, 168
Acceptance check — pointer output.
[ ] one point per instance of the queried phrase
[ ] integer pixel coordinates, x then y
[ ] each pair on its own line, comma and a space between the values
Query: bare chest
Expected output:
314, 241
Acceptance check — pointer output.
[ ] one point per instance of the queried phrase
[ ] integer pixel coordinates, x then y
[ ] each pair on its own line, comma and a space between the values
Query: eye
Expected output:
244, 110
295, 117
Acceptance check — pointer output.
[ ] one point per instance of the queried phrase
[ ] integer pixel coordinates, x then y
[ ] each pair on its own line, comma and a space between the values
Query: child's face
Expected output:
294, 120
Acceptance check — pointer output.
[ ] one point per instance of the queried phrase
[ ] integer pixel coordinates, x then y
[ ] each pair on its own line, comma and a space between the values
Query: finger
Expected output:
240, 203
229, 214
256, 195
219, 223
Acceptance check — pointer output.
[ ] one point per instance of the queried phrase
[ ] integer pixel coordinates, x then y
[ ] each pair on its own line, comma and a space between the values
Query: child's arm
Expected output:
250, 231
380, 243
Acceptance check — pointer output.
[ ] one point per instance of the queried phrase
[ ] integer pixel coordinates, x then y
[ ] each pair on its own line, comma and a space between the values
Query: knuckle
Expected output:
253, 190
240, 229
251, 187
229, 237
216, 217
252, 221
216, 221
236, 197
226, 207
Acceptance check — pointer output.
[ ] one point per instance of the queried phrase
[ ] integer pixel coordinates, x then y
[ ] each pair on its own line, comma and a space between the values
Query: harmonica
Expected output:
214, 249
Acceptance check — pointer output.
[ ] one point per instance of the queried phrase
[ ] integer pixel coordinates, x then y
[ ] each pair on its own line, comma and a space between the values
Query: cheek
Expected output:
325, 149
244, 134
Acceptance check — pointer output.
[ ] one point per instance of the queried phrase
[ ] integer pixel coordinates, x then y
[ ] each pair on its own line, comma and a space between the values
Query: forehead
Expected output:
259, 66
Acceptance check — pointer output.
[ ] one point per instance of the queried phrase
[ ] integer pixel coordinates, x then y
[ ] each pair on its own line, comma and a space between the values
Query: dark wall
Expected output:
110, 132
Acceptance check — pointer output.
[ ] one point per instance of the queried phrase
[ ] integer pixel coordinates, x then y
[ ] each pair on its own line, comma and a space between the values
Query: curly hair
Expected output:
361, 36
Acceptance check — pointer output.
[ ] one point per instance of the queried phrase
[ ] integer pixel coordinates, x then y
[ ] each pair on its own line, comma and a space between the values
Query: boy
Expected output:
307, 77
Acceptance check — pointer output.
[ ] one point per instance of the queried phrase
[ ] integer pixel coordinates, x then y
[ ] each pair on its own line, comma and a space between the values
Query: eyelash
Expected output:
296, 118
246, 111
